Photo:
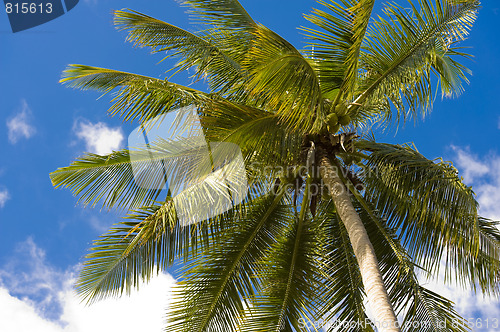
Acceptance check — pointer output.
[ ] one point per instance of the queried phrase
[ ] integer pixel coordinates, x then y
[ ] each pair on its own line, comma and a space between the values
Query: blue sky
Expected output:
44, 125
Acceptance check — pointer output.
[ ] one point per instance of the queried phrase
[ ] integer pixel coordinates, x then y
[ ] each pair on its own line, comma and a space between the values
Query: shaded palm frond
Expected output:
423, 309
288, 276
342, 290
215, 287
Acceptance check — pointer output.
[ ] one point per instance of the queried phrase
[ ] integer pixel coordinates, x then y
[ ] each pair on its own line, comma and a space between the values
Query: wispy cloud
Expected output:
35, 296
483, 174
98, 137
469, 304
4, 196
19, 126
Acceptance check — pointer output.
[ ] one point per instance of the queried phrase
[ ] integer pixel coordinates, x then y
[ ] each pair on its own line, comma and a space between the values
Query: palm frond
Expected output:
362, 13
134, 177
342, 290
150, 240
423, 309
109, 179
227, 14
264, 139
288, 275
417, 304
209, 57
215, 286
139, 97
434, 211
332, 43
124, 256
403, 49
282, 81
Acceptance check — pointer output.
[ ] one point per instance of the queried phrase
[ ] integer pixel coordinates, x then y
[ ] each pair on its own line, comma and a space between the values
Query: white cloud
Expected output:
19, 126
98, 137
38, 297
469, 164
469, 304
4, 197
483, 174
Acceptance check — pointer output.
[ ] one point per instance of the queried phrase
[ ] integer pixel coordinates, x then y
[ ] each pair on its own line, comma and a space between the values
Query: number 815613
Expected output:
28, 8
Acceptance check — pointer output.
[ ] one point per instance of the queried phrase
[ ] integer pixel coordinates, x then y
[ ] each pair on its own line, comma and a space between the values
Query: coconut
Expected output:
333, 129
340, 109
344, 120
332, 119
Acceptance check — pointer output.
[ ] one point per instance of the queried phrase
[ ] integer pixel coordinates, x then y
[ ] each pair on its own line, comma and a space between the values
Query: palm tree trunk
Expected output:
376, 292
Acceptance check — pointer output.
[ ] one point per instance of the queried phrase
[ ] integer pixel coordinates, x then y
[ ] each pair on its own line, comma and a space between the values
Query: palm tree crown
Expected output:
331, 217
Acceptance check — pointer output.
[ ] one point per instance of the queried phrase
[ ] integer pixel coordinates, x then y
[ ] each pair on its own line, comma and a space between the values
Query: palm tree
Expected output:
332, 217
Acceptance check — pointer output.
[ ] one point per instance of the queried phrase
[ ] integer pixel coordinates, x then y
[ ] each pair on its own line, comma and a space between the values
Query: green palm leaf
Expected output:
362, 13
117, 180
139, 97
215, 285
400, 54
283, 81
288, 275
228, 14
342, 293
124, 256
208, 55
264, 139
332, 44
435, 212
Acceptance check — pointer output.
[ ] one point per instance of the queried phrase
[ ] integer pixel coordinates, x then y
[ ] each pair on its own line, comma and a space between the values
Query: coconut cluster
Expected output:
337, 119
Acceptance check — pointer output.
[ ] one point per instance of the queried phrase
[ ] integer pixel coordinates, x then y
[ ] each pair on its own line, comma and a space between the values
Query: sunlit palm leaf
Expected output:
228, 14
264, 139
283, 81
434, 211
332, 44
400, 54
139, 97
118, 180
212, 59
